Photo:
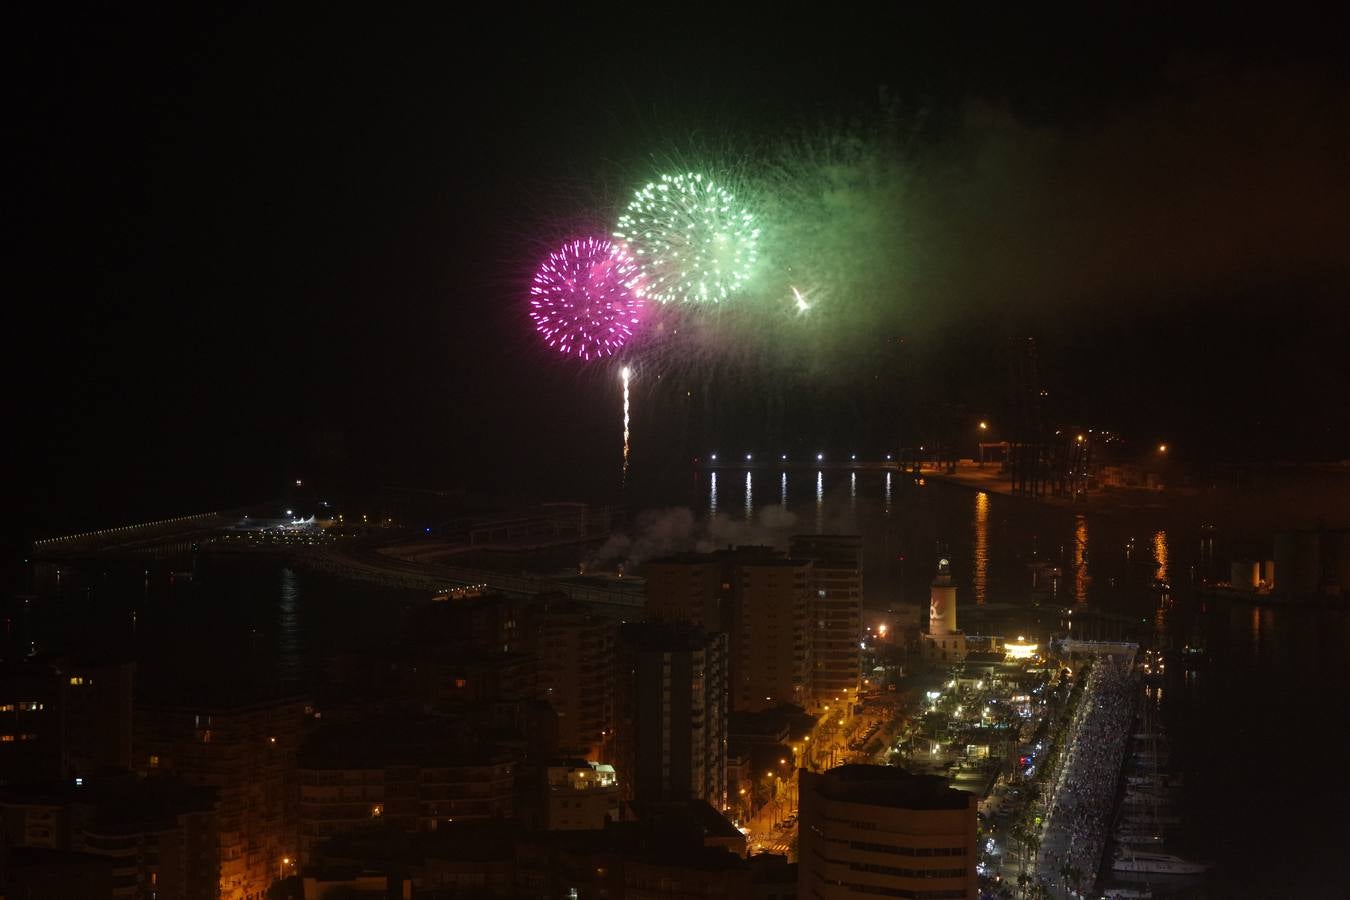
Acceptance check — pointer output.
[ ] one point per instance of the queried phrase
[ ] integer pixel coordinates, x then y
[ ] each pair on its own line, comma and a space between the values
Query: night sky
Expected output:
246, 249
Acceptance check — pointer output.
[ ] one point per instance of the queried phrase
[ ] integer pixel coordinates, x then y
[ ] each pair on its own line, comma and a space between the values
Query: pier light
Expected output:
1162, 448
819, 457
747, 457
784, 457
714, 457
853, 456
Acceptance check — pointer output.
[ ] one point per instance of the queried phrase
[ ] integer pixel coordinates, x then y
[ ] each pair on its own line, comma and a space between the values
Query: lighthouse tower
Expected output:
942, 601
943, 641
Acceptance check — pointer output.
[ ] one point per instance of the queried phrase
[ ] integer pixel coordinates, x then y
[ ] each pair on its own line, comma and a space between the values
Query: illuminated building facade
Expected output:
880, 831
247, 752
671, 717
576, 676
834, 615
760, 600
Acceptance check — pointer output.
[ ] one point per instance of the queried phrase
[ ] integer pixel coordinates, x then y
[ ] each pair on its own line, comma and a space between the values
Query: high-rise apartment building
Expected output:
247, 752
576, 677
835, 616
410, 775
880, 831
64, 718
671, 696
690, 587
769, 641
158, 833
759, 599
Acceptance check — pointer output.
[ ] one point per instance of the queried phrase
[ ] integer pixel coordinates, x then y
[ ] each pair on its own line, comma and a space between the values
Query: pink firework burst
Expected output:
582, 299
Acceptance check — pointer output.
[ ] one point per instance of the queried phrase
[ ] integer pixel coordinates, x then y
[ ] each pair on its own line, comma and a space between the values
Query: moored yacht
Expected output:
1129, 859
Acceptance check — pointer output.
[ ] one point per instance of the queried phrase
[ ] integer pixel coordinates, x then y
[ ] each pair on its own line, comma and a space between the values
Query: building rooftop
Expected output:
121, 804
685, 816
985, 657
785, 722
395, 741
478, 841
889, 786
663, 636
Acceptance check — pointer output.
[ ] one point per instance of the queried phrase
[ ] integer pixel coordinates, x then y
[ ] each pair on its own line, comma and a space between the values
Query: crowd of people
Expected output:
1084, 792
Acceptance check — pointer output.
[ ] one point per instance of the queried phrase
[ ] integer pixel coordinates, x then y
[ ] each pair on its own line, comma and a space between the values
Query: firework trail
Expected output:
625, 373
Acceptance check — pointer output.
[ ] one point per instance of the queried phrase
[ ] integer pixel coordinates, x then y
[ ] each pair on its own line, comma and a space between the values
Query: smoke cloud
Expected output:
663, 532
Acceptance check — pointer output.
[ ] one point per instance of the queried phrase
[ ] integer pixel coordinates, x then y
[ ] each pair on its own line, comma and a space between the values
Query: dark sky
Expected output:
247, 247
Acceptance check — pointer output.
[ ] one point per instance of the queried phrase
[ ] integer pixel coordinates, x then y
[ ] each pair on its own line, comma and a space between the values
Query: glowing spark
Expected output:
583, 301
802, 305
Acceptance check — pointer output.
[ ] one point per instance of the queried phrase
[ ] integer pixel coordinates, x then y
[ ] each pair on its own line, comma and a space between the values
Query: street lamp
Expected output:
984, 426
1162, 448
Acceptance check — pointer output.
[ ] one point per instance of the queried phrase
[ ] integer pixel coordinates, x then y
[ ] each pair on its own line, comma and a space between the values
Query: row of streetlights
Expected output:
820, 457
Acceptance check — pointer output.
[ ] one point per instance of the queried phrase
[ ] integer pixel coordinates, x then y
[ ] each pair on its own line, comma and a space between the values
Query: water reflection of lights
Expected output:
749, 497
1160, 554
981, 549
1080, 574
712, 494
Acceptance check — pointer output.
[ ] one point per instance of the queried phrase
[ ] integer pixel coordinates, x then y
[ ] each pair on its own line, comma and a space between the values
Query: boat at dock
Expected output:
1153, 861
1150, 820
1138, 837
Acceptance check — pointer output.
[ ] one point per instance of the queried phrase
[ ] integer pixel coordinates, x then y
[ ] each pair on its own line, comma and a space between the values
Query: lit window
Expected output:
154, 762
6, 738
460, 682
76, 679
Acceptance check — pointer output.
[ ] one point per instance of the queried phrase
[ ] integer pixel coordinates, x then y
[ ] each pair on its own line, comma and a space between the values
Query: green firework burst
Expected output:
691, 239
